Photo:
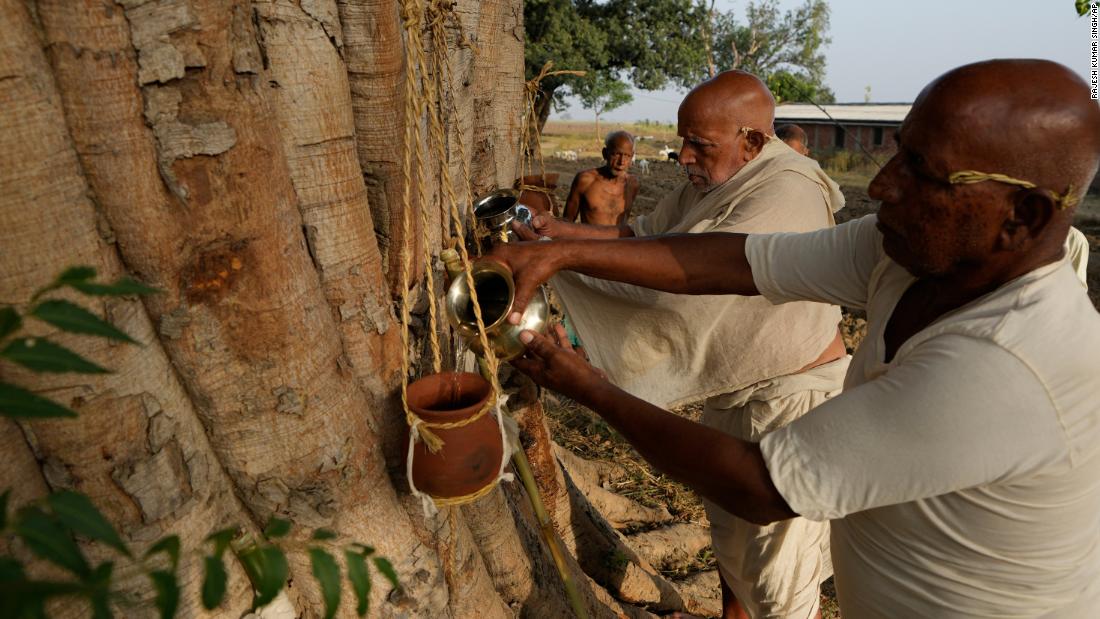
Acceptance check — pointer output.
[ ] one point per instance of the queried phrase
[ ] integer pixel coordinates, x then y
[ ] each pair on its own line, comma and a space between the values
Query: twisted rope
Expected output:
969, 177
532, 88
422, 96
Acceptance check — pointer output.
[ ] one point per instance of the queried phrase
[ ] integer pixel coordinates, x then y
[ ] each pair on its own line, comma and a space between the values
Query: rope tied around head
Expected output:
969, 177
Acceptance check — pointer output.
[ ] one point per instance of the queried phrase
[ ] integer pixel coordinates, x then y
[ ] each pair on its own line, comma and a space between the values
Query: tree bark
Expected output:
245, 158
136, 449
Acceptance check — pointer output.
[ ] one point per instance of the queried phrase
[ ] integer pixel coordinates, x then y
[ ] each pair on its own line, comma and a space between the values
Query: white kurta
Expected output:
963, 476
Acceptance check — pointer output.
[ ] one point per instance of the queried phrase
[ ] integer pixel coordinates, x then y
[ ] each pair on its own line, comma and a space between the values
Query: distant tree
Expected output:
783, 48
601, 94
647, 43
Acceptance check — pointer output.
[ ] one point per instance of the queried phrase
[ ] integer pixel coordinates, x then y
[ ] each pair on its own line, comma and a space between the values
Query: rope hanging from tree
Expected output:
422, 97
526, 163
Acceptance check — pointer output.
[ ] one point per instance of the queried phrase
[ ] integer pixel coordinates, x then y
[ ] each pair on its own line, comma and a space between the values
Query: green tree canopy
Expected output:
783, 48
600, 94
649, 43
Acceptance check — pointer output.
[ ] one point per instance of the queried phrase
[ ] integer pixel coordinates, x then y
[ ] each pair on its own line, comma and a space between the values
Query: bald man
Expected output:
793, 136
603, 196
961, 465
756, 366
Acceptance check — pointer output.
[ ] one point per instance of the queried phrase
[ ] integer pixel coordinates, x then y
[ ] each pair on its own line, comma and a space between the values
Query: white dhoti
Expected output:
775, 570
673, 349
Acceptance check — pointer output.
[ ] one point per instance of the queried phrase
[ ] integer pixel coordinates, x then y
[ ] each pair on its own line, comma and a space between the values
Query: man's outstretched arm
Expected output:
725, 470
712, 263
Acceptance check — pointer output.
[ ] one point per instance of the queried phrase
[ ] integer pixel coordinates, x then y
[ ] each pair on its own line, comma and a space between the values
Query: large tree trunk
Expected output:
246, 159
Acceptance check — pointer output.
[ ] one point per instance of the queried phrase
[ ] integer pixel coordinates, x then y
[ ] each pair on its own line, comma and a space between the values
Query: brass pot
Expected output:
495, 213
470, 457
496, 292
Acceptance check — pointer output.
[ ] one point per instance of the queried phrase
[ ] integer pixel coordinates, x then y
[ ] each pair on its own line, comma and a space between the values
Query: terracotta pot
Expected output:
470, 457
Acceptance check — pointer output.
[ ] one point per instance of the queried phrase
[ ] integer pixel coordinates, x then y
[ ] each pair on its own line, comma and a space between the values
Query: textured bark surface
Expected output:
136, 449
245, 158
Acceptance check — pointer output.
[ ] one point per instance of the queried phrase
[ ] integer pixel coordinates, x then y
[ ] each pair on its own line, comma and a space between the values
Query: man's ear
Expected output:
603, 153
1032, 212
754, 143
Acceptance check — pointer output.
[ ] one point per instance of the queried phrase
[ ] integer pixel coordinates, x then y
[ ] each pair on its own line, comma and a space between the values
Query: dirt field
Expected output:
589, 436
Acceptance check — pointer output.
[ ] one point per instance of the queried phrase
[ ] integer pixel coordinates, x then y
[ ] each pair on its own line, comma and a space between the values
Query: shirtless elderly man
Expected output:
757, 366
603, 196
961, 465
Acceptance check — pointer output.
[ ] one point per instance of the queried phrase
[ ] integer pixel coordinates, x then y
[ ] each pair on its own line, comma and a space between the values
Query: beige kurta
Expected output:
962, 476
739, 352
671, 349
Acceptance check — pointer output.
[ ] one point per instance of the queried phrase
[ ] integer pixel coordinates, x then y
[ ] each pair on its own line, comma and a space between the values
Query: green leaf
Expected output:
100, 593
168, 593
323, 534
363, 549
1083, 7
78, 513
72, 318
120, 288
42, 355
359, 576
45, 537
99, 584
221, 540
276, 527
213, 584
383, 564
9, 321
69, 276
75, 274
267, 568
10, 569
16, 402
168, 545
4, 509
327, 573
27, 598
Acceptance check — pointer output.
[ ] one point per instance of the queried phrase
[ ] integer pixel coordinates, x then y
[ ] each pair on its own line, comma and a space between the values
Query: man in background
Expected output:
603, 196
794, 136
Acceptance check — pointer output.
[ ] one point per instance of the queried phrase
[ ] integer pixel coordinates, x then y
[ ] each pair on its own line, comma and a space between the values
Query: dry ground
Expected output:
586, 434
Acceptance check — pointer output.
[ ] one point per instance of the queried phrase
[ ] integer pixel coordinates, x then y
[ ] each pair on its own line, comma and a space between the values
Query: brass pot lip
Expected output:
501, 218
456, 288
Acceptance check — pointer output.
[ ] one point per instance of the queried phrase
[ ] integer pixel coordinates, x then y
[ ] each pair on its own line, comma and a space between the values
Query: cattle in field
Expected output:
566, 155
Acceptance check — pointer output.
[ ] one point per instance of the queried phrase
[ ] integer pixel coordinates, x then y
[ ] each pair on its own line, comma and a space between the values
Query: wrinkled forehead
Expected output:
620, 144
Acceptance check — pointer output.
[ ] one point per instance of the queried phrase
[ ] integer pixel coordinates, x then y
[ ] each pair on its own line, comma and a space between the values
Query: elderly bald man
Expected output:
757, 366
961, 465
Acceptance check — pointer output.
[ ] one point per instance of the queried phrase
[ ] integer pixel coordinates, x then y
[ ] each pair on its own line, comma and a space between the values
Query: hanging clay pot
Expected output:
470, 457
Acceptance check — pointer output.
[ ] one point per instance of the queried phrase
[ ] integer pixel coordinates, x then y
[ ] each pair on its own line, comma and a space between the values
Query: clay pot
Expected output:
470, 457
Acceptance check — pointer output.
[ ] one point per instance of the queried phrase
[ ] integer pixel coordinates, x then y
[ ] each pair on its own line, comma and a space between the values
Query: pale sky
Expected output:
898, 46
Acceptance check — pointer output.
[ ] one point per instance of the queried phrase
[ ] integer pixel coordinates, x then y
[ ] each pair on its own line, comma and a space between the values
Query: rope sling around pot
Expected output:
422, 97
413, 14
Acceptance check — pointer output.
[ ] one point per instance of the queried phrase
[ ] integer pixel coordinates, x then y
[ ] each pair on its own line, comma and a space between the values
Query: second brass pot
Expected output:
496, 292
